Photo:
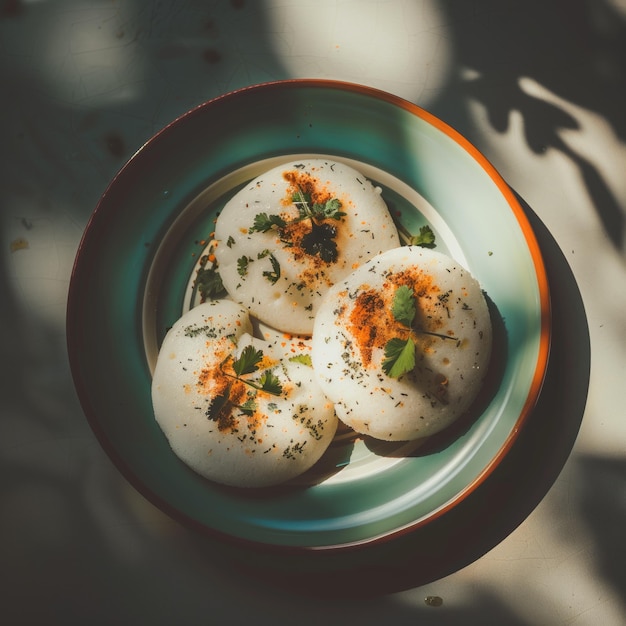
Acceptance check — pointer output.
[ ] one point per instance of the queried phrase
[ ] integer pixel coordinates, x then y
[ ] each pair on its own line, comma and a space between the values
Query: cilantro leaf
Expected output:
264, 222
242, 265
248, 362
302, 201
248, 407
218, 404
321, 242
305, 359
299, 197
403, 306
425, 239
330, 209
399, 357
271, 383
209, 283
274, 275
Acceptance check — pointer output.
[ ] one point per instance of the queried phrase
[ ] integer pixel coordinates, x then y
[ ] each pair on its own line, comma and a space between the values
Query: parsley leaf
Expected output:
403, 306
399, 357
248, 362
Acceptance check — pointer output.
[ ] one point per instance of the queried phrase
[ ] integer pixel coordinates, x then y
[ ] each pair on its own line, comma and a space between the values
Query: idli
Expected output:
290, 234
239, 410
402, 345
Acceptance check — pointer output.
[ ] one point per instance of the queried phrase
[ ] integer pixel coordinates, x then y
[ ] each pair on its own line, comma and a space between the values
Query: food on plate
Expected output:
326, 318
239, 410
285, 238
402, 345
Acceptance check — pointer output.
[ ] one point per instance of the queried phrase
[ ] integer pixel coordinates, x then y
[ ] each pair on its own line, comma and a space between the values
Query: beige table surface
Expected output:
538, 87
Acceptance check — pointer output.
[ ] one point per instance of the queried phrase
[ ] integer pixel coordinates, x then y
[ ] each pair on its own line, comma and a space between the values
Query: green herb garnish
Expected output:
242, 265
270, 383
400, 353
247, 363
248, 407
273, 275
403, 307
399, 357
320, 241
425, 238
316, 210
305, 359
194, 331
208, 282
218, 406
264, 223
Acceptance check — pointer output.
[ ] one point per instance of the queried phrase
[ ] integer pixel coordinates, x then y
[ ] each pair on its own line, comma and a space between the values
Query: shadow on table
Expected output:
603, 507
575, 50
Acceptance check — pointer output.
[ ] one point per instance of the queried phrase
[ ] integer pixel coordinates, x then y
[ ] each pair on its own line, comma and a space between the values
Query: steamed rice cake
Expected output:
236, 409
286, 237
364, 328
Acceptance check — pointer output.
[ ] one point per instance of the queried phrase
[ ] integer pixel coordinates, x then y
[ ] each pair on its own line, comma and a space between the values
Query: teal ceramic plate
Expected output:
140, 248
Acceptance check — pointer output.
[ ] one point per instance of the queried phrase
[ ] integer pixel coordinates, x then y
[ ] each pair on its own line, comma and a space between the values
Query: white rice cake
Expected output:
451, 332
281, 275
256, 438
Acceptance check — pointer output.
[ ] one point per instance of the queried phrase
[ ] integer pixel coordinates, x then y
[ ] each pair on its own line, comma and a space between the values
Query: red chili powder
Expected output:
371, 321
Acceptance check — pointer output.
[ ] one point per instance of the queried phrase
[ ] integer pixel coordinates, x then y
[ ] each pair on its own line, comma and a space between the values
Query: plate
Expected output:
131, 281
